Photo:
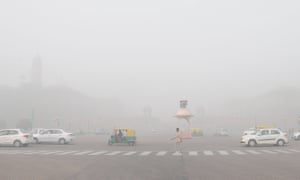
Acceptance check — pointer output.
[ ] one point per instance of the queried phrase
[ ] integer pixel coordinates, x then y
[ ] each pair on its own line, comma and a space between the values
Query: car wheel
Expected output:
252, 143
17, 143
298, 137
62, 141
36, 141
280, 142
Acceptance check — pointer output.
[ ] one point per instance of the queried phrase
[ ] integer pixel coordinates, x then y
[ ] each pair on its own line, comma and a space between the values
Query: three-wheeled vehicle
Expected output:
196, 132
122, 136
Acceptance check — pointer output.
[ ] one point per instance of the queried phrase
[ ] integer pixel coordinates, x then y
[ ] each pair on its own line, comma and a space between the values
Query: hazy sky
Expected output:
154, 52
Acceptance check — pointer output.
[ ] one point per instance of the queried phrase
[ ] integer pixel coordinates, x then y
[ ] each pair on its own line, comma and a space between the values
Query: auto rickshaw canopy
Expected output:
129, 132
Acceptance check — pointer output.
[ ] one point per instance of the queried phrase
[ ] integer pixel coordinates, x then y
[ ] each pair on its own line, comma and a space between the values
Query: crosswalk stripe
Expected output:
145, 153
193, 153
294, 150
253, 152
4, 152
82, 153
53, 152
129, 153
98, 153
113, 153
239, 152
177, 153
33, 152
269, 152
282, 151
65, 153
223, 153
161, 153
14, 152
208, 153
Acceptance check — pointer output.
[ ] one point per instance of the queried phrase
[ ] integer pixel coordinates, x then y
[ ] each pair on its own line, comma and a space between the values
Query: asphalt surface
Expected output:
153, 157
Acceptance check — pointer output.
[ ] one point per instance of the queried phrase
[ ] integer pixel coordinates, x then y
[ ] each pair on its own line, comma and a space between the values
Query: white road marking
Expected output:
269, 152
4, 152
68, 152
146, 153
177, 153
98, 153
82, 153
34, 152
193, 153
161, 153
14, 152
282, 151
208, 153
239, 152
53, 152
253, 152
129, 153
113, 153
223, 153
294, 150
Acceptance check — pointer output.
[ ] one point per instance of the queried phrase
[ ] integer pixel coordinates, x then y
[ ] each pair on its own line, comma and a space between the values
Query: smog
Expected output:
161, 71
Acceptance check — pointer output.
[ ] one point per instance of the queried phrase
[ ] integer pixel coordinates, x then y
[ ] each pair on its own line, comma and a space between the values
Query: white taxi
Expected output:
266, 136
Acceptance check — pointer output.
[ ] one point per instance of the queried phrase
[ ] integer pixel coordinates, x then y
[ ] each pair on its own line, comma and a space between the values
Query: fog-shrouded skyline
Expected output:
154, 53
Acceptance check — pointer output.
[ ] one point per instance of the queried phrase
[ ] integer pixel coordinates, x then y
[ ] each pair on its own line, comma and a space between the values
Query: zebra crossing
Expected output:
205, 153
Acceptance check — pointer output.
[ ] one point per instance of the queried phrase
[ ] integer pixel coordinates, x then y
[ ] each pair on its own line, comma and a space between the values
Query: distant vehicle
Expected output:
54, 136
15, 137
221, 132
123, 136
196, 132
272, 136
296, 135
154, 131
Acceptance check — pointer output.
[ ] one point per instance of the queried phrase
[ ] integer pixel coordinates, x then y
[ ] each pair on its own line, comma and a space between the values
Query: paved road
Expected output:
154, 157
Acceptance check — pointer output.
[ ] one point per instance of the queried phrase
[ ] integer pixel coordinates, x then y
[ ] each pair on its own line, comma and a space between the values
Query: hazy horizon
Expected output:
154, 53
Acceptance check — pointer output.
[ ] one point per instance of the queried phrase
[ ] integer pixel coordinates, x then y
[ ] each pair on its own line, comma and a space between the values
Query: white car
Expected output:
221, 132
54, 136
296, 135
15, 137
35, 133
265, 136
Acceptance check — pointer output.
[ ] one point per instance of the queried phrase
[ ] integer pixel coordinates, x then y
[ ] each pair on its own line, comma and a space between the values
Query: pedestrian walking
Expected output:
178, 140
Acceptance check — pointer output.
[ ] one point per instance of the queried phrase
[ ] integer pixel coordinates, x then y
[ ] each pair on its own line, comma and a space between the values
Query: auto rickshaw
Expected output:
196, 132
122, 136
